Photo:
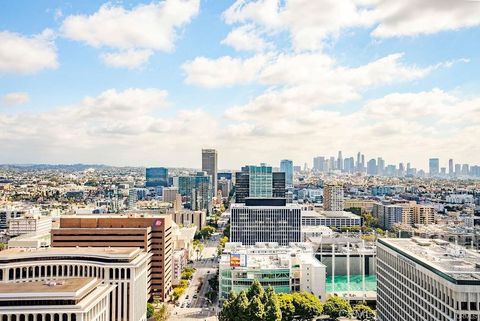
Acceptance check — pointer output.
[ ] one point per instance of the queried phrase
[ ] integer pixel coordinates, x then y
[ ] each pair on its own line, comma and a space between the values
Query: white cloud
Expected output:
15, 98
310, 81
151, 26
311, 23
25, 55
114, 127
245, 38
129, 59
396, 18
224, 71
413, 106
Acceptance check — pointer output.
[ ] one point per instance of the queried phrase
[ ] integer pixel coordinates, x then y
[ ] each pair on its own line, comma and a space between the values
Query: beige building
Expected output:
333, 198
27, 224
152, 233
365, 205
124, 268
74, 299
187, 218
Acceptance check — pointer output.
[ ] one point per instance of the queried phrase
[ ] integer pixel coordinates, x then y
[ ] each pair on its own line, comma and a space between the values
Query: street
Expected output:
194, 305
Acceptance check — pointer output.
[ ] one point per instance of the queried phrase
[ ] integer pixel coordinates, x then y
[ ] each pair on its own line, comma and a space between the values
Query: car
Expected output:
186, 298
195, 296
208, 271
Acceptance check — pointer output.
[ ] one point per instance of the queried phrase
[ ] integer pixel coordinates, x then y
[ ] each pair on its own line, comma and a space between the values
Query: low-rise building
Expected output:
336, 219
285, 268
187, 218
36, 224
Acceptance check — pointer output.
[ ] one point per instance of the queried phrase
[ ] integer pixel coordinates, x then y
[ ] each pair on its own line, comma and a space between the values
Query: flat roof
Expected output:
452, 262
61, 285
108, 253
329, 214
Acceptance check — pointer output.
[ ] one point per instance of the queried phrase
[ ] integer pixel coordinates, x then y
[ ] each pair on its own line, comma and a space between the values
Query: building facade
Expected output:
426, 280
152, 233
333, 198
286, 268
156, 177
209, 165
125, 268
265, 223
286, 166
259, 181
75, 299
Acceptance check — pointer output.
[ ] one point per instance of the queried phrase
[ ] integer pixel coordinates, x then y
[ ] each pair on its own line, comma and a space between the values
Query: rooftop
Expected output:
329, 214
64, 285
452, 262
109, 253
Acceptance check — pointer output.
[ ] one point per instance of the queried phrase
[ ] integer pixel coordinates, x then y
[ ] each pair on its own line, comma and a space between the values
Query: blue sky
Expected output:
151, 83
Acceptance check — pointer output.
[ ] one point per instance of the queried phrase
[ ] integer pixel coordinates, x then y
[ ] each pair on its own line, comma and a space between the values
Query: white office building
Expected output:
258, 222
72, 299
286, 268
29, 224
336, 219
427, 280
125, 268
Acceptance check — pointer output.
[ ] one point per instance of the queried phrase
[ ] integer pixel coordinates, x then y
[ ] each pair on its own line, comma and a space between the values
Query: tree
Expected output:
256, 309
336, 307
272, 306
150, 310
363, 312
162, 314
255, 290
307, 306
287, 308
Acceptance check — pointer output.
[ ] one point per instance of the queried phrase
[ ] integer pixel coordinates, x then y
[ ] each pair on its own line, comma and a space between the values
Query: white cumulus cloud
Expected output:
21, 54
153, 26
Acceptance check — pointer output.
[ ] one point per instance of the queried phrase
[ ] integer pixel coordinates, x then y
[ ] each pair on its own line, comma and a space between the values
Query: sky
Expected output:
143, 83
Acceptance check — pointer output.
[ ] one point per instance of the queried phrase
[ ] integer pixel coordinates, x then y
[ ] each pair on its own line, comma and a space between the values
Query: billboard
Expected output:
237, 260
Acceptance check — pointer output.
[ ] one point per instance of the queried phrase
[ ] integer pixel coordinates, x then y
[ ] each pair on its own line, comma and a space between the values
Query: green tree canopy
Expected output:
363, 312
307, 305
336, 307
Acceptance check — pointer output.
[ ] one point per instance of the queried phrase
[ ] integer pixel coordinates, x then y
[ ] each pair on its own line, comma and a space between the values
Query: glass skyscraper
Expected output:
258, 181
156, 177
286, 166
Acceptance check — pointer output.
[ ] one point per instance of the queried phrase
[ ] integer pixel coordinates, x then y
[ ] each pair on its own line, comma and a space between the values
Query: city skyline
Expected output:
252, 79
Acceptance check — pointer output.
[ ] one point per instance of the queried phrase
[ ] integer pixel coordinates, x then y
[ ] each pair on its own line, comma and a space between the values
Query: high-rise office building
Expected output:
372, 167
333, 198
156, 177
340, 161
319, 163
258, 181
426, 280
265, 220
209, 165
198, 191
380, 166
286, 166
152, 233
434, 167
450, 168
